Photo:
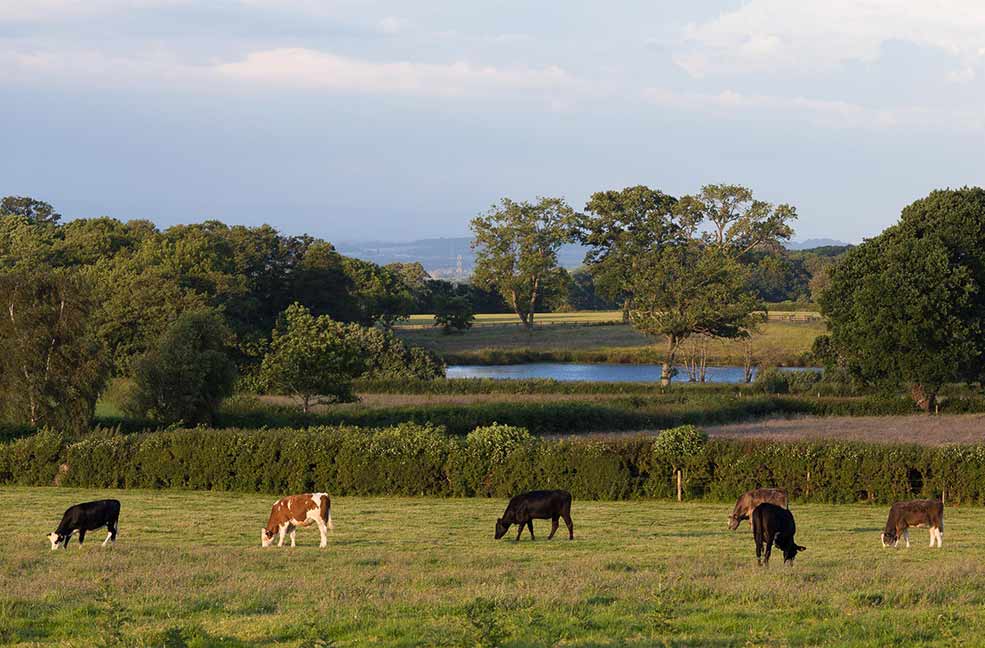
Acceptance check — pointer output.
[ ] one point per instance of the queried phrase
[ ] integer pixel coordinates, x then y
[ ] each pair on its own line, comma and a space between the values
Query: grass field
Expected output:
188, 571
426, 320
781, 342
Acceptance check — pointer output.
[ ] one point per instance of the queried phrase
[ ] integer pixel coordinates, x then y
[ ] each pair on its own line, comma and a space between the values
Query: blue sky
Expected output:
396, 120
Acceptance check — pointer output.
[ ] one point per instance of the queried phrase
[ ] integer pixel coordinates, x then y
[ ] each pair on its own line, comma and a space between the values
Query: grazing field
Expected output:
920, 429
780, 342
575, 317
188, 571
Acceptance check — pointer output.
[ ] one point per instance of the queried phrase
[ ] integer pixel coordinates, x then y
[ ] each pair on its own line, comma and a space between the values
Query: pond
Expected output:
568, 371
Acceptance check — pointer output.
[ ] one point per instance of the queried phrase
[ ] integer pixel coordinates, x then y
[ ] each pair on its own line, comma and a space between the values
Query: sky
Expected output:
397, 120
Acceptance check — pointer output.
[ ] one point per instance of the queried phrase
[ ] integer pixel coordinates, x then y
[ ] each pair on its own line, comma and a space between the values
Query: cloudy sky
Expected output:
391, 119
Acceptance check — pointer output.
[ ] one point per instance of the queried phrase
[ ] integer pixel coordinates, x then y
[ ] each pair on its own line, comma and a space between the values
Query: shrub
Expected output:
453, 313
186, 375
772, 381
387, 357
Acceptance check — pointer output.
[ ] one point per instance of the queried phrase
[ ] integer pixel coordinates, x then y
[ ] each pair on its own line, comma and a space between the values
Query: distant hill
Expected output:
814, 243
448, 258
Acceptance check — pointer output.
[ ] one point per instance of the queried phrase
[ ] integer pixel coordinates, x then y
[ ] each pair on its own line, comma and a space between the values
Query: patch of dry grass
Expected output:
409, 572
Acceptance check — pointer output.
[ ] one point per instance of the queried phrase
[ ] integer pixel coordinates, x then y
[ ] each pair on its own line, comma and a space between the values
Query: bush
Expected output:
495, 461
386, 357
772, 381
453, 313
186, 375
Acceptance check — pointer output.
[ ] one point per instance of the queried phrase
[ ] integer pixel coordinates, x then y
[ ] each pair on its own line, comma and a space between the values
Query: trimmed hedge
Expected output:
494, 461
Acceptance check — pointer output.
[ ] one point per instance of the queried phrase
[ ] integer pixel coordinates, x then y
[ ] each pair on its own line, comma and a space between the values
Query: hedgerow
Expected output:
492, 461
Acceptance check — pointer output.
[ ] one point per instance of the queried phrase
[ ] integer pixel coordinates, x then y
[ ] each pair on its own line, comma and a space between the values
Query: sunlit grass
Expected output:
413, 572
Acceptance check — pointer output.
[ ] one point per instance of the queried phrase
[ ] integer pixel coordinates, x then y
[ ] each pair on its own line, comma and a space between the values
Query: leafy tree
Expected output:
737, 222
906, 308
384, 355
35, 211
677, 446
383, 297
620, 228
313, 359
689, 289
415, 280
516, 247
52, 364
453, 313
187, 374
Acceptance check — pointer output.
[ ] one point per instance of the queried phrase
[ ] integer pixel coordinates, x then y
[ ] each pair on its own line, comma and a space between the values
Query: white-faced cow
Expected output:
537, 505
87, 516
748, 502
915, 513
774, 525
293, 511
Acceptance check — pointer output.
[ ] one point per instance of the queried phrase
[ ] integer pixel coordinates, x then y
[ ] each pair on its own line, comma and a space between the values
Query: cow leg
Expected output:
283, 531
292, 531
906, 536
554, 526
571, 526
530, 525
109, 536
769, 550
519, 532
759, 550
82, 536
323, 530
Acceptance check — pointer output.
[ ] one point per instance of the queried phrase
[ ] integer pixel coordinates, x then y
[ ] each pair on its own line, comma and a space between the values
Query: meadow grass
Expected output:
425, 320
779, 343
187, 570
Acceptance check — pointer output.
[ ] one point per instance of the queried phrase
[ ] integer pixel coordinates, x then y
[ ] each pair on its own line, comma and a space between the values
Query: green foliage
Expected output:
516, 250
186, 375
311, 357
453, 313
906, 307
52, 363
386, 357
498, 462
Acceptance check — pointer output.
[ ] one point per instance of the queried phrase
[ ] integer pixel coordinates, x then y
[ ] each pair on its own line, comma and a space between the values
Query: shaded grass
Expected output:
407, 572
780, 343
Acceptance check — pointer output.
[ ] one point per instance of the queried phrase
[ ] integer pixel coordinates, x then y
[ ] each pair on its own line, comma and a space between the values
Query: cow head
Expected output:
791, 553
57, 540
733, 522
501, 528
266, 537
888, 539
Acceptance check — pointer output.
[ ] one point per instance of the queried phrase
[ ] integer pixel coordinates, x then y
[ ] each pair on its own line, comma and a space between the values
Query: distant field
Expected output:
188, 571
781, 342
577, 317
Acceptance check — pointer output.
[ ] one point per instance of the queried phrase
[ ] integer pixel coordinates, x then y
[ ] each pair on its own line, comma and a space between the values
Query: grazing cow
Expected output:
537, 505
774, 525
916, 513
748, 502
294, 511
88, 516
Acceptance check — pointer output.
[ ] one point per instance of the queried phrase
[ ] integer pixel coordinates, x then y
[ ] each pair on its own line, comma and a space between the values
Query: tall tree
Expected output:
35, 211
620, 228
907, 308
737, 222
52, 364
516, 247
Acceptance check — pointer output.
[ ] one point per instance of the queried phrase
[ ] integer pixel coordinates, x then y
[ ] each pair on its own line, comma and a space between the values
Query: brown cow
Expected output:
915, 513
748, 502
294, 511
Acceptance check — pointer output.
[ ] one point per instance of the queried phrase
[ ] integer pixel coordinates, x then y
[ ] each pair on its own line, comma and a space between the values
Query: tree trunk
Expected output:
305, 400
925, 400
667, 368
680, 489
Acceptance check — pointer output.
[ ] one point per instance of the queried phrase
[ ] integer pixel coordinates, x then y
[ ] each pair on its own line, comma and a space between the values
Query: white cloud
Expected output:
806, 35
308, 68
54, 9
822, 113
391, 25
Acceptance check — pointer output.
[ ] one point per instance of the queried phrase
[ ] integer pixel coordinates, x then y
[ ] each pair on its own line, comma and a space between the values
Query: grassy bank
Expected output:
408, 572
780, 343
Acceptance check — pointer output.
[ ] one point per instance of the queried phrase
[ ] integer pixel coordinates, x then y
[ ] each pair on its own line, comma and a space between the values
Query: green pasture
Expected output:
780, 342
188, 571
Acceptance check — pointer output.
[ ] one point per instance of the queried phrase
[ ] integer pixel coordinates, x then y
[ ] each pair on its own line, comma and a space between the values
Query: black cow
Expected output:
537, 505
772, 524
87, 517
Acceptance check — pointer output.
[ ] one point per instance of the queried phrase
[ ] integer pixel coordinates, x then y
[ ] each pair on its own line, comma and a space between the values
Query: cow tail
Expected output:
326, 512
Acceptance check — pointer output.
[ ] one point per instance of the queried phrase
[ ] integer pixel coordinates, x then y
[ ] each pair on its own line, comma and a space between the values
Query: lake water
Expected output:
597, 372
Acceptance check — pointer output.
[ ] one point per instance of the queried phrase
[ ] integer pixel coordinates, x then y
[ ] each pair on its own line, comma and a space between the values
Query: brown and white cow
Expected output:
293, 511
748, 502
915, 513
